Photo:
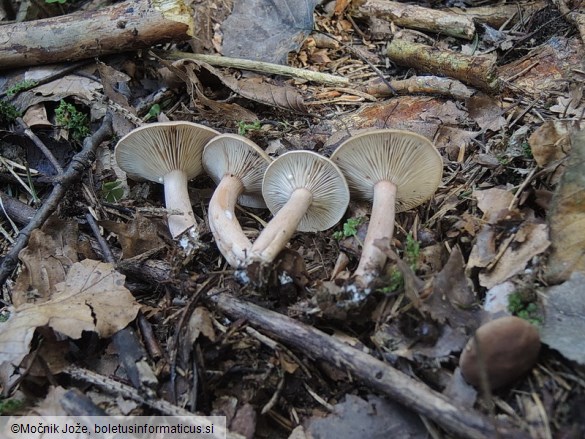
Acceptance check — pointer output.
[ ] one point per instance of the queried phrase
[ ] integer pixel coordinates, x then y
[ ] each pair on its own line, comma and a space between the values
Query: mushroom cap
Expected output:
408, 160
306, 169
509, 348
238, 156
151, 151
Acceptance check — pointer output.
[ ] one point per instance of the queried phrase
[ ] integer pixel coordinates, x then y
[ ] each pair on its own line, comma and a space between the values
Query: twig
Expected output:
39, 144
150, 342
373, 372
274, 399
258, 66
79, 163
106, 252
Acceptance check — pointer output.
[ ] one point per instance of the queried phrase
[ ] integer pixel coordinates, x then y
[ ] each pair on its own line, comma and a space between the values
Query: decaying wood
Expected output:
433, 85
478, 71
373, 372
259, 66
497, 15
122, 27
416, 17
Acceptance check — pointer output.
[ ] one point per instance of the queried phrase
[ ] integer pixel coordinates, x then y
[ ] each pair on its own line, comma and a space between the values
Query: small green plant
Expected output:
395, 282
112, 191
71, 118
62, 2
244, 127
8, 112
350, 228
153, 112
9, 406
527, 150
412, 251
20, 86
519, 306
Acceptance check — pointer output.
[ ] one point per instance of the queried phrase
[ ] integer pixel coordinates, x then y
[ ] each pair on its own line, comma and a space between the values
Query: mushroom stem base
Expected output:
177, 198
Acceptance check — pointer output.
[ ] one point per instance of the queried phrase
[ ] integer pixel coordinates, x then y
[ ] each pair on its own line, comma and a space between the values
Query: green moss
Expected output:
350, 228
8, 112
67, 116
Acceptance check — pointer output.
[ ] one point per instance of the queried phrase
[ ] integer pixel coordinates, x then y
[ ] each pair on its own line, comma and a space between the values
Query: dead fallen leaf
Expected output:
519, 248
48, 256
137, 236
201, 323
564, 318
92, 298
486, 112
492, 202
373, 417
567, 217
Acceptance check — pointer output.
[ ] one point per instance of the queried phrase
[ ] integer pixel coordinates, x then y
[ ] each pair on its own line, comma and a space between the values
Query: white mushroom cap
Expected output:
242, 158
153, 150
408, 160
167, 153
305, 169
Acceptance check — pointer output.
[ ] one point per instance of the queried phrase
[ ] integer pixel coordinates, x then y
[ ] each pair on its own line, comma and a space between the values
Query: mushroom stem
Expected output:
280, 229
177, 198
229, 236
381, 226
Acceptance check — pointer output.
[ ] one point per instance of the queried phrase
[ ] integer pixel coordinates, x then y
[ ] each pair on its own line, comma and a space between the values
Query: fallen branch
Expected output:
430, 85
122, 27
259, 66
416, 17
478, 71
79, 163
497, 15
380, 376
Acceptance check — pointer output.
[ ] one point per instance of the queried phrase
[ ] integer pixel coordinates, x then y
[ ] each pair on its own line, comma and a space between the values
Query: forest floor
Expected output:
101, 305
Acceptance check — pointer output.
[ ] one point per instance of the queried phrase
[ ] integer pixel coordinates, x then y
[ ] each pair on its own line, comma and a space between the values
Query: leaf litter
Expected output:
504, 223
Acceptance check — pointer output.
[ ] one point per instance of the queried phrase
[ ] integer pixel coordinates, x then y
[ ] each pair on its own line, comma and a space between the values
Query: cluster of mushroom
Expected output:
305, 191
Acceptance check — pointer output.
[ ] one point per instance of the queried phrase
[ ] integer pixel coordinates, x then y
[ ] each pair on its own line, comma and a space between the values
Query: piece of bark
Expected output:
433, 85
16, 210
416, 17
122, 27
413, 394
478, 71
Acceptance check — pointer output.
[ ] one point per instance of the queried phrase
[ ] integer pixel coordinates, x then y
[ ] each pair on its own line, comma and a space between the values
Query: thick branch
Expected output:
380, 376
479, 71
122, 27
79, 163
416, 17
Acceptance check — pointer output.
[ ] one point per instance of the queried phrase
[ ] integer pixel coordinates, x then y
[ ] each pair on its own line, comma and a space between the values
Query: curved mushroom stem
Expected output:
381, 226
177, 198
229, 236
279, 230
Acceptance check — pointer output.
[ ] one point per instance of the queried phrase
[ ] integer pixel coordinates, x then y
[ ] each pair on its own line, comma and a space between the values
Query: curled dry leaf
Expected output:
92, 298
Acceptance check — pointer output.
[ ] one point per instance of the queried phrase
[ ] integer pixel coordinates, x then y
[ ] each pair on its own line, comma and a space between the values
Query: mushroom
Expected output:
167, 153
397, 170
237, 165
305, 191
508, 348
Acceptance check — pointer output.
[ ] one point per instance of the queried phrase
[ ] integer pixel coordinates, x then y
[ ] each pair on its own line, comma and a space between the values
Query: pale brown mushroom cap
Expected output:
319, 175
406, 159
242, 158
153, 150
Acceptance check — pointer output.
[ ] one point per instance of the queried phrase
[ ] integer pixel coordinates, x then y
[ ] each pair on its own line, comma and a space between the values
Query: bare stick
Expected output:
413, 394
39, 144
479, 71
122, 27
79, 163
258, 66
416, 17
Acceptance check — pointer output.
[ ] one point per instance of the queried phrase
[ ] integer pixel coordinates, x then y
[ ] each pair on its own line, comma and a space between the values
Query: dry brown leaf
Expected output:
530, 240
92, 298
201, 323
567, 217
486, 112
50, 253
137, 236
493, 203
